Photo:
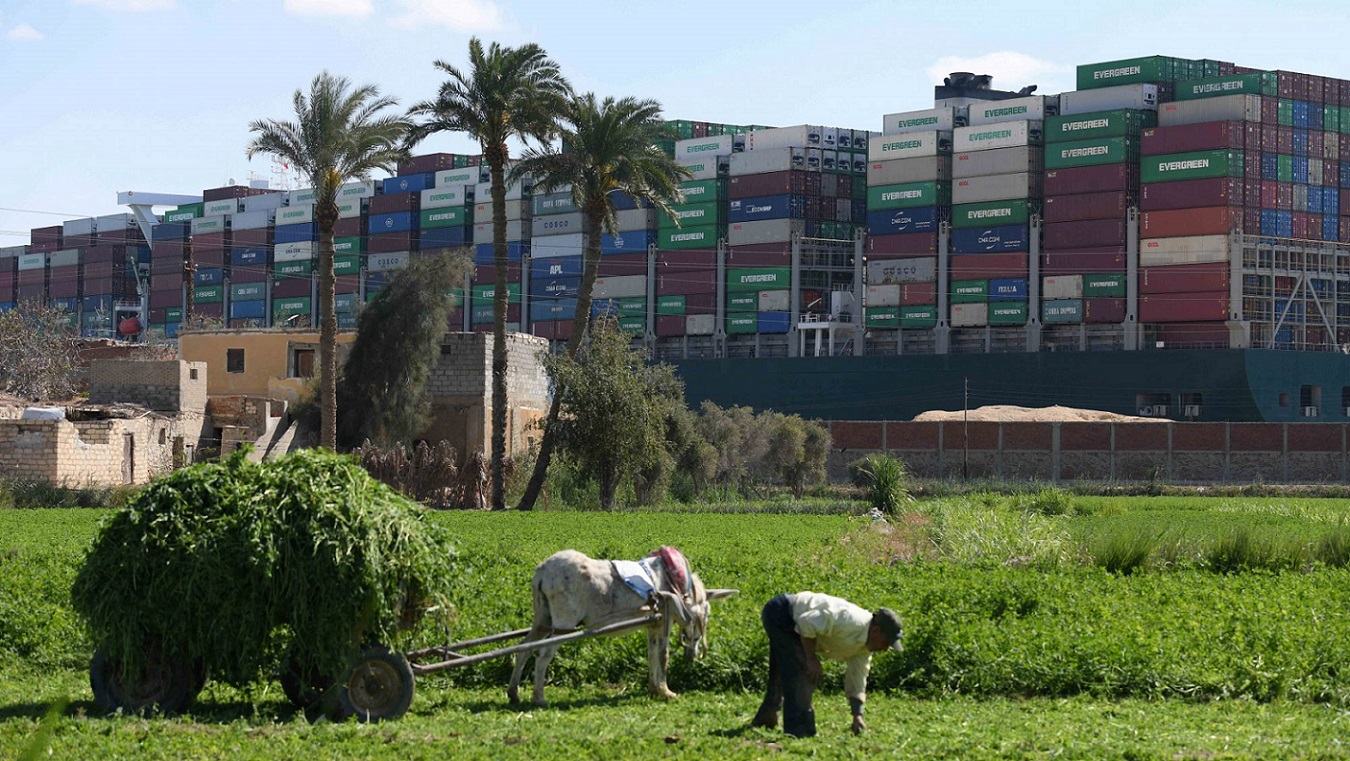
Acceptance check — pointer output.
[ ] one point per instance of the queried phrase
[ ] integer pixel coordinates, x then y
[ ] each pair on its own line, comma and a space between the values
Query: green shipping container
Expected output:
1157, 68
1102, 150
348, 244
451, 216
670, 305
480, 314
881, 317
704, 191
1284, 112
908, 195
918, 316
247, 292
1284, 168
744, 279
630, 307
282, 308
1345, 120
1211, 87
633, 324
694, 215
970, 291
742, 303
742, 322
483, 294
302, 268
1007, 313
1191, 166
173, 314
1062, 311
1104, 285
346, 265
677, 239
208, 294
180, 215
1093, 126
1014, 212
1331, 118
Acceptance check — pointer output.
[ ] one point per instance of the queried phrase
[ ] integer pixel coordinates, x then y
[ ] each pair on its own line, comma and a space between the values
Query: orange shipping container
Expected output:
989, 266
1209, 306
915, 294
1176, 223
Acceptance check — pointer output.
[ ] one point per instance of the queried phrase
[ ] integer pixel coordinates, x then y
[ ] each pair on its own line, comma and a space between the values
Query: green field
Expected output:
1019, 643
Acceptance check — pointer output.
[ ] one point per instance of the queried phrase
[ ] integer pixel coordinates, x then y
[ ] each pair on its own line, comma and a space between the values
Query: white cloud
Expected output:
459, 15
23, 33
1011, 70
132, 6
348, 8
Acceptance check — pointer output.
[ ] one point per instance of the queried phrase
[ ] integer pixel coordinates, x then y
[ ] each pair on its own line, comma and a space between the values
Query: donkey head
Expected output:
692, 615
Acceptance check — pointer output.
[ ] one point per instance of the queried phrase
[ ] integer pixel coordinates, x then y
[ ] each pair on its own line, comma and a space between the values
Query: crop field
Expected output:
1035, 626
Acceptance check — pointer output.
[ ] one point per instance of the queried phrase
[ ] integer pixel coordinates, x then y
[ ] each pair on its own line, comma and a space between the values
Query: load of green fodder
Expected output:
234, 566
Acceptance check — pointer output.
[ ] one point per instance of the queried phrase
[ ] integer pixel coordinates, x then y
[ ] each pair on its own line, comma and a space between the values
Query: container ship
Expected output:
1170, 239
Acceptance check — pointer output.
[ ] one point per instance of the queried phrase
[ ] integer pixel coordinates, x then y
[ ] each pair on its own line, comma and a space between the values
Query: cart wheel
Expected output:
378, 686
303, 687
163, 686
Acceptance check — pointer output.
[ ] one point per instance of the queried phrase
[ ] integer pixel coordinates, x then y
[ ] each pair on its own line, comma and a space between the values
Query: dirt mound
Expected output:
1008, 413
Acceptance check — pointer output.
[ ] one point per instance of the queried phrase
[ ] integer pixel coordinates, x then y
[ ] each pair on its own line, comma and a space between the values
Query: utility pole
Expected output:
965, 430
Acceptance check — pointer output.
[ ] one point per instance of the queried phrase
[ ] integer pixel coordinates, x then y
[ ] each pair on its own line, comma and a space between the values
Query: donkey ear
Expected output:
675, 603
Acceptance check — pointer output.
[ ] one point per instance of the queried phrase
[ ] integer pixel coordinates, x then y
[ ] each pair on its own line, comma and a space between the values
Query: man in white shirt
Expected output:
804, 626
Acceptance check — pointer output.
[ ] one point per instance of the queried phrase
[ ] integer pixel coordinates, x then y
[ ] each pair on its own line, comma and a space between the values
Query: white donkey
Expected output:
573, 591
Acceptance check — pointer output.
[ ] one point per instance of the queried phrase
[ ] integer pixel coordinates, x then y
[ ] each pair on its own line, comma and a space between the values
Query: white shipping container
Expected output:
349, 208
553, 246
909, 146
12, 252
706, 168
1002, 161
450, 195
1032, 107
514, 191
69, 257
205, 225
515, 210
630, 220
396, 260
1140, 97
885, 295
1195, 249
1062, 287
221, 207
78, 227
996, 187
295, 215
800, 136
765, 231
112, 223
293, 252
620, 287
775, 301
515, 230
469, 175
251, 220
1225, 108
557, 224
32, 262
988, 137
970, 315
356, 190
768, 160
921, 269
698, 147
923, 169
700, 324
264, 202
944, 119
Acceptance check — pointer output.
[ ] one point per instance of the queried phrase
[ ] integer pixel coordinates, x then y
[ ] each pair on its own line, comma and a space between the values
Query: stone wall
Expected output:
163, 386
1173, 452
106, 452
460, 388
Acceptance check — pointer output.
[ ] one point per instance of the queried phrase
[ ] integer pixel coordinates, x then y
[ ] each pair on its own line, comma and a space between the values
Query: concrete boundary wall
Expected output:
1172, 452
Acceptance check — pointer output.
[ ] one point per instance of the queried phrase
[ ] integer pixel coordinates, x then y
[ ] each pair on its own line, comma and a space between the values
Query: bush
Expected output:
1045, 501
1240, 550
434, 475
885, 479
37, 492
1123, 552
1334, 548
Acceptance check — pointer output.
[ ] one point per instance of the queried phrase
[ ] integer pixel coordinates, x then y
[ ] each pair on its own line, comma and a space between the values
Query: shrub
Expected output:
1123, 552
434, 475
1240, 550
885, 479
1049, 500
1334, 547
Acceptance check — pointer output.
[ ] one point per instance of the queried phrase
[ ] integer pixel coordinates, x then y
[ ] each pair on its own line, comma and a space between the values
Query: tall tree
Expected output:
504, 93
608, 148
339, 134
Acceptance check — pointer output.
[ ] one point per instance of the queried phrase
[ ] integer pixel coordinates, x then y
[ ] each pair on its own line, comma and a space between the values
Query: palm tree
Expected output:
338, 134
609, 147
505, 93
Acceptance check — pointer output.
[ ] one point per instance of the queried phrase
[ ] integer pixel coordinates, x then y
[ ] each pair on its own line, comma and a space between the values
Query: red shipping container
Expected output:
1300, 225
904, 243
768, 255
105, 254
248, 274
170, 297
487, 273
775, 183
1213, 220
386, 243
917, 294
394, 202
1081, 206
1316, 143
1091, 233
343, 228
1284, 142
347, 284
1206, 306
700, 303
1103, 310
669, 325
1270, 113
1251, 193
430, 162
167, 249
252, 238
1270, 137
290, 287
47, 236
65, 288
1190, 194
1252, 140
1092, 179
128, 236
685, 260
1184, 278
622, 264
32, 277
215, 310
1331, 173
686, 281
1251, 170
985, 266
1184, 138
229, 191
167, 266
1284, 198
25, 293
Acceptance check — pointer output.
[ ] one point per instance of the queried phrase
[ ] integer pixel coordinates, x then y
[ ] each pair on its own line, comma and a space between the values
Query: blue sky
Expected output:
108, 95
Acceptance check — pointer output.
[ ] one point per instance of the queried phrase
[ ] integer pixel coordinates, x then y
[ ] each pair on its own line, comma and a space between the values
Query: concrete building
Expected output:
268, 363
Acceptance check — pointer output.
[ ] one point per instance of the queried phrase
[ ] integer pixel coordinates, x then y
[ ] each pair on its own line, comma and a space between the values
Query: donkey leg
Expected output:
542, 659
658, 658
523, 657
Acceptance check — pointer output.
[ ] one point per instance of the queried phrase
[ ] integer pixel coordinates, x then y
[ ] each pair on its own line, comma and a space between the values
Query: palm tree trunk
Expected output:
594, 213
189, 296
327, 328
496, 156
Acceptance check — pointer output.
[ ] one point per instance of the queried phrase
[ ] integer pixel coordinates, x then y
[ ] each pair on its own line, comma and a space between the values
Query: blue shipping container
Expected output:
294, 233
96, 303
143, 254
6, 306
1270, 166
445, 237
1331, 227
978, 240
766, 207
248, 310
631, 242
893, 221
1300, 165
515, 249
410, 183
552, 309
65, 305
398, 222
773, 322
559, 266
255, 256
208, 276
555, 288
171, 330
169, 231
608, 307
1008, 290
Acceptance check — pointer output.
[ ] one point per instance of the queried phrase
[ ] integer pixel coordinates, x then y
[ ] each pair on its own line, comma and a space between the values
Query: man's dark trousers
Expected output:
789, 684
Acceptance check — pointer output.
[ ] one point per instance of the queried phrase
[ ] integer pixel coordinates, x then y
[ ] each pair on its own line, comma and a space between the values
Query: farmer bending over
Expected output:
804, 626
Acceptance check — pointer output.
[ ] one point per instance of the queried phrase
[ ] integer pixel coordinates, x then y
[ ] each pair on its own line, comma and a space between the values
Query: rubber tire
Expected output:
377, 687
302, 690
179, 685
